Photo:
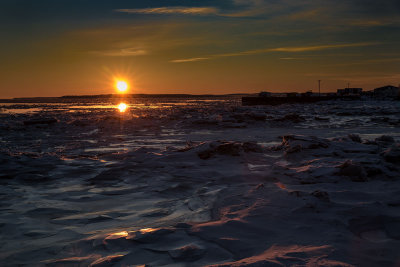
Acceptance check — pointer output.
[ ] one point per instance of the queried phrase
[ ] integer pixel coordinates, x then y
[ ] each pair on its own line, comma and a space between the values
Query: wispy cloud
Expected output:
277, 49
293, 58
244, 13
182, 10
189, 59
373, 23
124, 52
172, 10
320, 47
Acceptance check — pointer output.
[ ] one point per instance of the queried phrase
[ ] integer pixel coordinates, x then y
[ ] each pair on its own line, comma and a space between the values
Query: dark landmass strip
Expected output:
111, 97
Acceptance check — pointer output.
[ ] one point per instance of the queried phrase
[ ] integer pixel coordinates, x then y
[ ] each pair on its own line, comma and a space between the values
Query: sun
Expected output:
122, 107
122, 86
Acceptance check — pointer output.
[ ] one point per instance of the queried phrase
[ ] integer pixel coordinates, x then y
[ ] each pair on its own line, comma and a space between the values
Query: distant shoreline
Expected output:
85, 98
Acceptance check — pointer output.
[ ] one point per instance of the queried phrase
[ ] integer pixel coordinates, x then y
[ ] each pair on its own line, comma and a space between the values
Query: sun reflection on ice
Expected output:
122, 107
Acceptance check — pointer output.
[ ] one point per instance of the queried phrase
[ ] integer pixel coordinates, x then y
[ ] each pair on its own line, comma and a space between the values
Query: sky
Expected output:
79, 47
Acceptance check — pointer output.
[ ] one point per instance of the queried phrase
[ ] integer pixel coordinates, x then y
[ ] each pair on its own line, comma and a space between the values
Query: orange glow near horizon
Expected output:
122, 86
122, 107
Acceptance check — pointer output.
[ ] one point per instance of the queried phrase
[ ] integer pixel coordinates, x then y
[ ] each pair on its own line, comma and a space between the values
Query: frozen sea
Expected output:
199, 182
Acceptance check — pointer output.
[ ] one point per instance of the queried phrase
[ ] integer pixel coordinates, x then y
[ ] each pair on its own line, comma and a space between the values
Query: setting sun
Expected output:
122, 86
122, 107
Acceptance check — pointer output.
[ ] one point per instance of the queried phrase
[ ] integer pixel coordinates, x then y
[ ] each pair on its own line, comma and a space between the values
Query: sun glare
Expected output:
122, 107
122, 86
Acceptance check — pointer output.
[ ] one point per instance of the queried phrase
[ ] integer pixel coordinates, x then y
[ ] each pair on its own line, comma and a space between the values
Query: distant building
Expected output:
349, 92
369, 94
388, 91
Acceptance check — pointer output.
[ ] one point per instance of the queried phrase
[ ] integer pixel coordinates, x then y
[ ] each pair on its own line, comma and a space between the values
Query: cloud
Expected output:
124, 52
352, 13
324, 11
293, 58
181, 10
189, 59
373, 23
244, 13
172, 10
319, 47
278, 49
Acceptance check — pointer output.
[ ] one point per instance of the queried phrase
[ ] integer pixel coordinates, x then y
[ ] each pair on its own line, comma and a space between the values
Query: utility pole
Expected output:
319, 87
348, 85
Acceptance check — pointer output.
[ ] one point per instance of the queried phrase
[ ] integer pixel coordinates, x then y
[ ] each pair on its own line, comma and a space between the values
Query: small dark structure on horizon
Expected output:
349, 92
266, 98
388, 91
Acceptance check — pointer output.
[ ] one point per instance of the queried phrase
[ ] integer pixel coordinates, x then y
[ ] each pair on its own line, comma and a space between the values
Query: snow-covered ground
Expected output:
194, 183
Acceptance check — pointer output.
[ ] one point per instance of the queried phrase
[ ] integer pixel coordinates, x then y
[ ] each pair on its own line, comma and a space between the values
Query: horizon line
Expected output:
163, 94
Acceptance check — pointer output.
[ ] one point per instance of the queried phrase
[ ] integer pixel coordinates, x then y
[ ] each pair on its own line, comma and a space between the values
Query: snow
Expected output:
196, 183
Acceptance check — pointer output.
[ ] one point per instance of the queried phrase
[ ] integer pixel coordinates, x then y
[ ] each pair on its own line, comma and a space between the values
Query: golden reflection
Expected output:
280, 185
114, 236
122, 107
147, 230
121, 86
122, 234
